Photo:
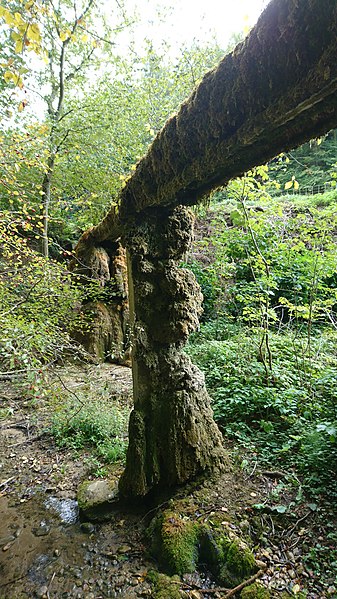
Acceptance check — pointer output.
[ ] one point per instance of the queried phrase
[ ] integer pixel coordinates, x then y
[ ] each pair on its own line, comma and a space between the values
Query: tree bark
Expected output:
46, 188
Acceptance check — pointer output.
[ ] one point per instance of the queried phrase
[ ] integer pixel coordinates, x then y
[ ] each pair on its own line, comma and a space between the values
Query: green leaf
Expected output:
280, 509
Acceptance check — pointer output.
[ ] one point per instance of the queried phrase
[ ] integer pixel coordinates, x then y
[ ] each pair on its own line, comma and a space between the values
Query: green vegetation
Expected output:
255, 591
312, 165
98, 424
37, 299
268, 343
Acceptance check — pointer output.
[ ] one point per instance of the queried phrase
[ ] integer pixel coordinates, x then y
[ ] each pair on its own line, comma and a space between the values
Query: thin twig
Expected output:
154, 510
252, 472
243, 584
5, 482
289, 532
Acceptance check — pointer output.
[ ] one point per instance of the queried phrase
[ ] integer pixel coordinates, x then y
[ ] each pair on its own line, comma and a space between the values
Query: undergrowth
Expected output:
95, 424
268, 342
287, 416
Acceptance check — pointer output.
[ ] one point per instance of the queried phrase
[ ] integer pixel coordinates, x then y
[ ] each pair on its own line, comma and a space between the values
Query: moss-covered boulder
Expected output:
96, 499
180, 545
255, 591
166, 587
228, 557
174, 541
239, 562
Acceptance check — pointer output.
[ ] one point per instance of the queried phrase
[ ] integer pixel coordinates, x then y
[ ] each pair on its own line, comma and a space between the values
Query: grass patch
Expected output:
96, 424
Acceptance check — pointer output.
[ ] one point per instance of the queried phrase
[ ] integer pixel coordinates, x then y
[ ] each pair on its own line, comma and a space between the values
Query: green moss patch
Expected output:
180, 545
166, 587
255, 591
174, 541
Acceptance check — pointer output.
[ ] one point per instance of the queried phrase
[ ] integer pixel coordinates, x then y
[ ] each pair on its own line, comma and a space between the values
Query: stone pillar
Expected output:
172, 435
104, 327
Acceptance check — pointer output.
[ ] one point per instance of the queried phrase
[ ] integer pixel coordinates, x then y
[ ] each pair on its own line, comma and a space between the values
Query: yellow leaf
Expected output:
8, 76
20, 109
288, 185
5, 14
33, 32
19, 46
296, 184
84, 37
63, 36
18, 19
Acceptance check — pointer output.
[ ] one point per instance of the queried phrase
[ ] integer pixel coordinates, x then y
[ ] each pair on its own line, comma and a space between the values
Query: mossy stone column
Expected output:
173, 437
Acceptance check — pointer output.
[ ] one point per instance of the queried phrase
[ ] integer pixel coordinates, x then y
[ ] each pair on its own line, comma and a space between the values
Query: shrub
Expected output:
286, 414
37, 299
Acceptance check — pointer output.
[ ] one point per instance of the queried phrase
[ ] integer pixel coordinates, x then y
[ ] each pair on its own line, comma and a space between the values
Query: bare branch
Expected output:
80, 66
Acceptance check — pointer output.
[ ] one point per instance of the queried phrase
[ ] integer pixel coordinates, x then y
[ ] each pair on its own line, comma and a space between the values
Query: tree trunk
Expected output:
172, 435
46, 188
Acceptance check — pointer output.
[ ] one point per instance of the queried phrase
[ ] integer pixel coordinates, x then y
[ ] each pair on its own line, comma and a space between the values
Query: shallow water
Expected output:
66, 509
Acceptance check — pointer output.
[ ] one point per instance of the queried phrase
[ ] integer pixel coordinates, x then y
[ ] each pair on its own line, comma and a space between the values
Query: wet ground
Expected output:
45, 551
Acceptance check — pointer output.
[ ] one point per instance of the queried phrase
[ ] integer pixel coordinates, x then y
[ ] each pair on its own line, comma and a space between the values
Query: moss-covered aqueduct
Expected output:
276, 90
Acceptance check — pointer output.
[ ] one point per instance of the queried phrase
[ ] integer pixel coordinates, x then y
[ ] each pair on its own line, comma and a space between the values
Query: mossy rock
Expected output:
211, 552
96, 498
174, 541
167, 587
255, 591
239, 563
180, 545
230, 560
